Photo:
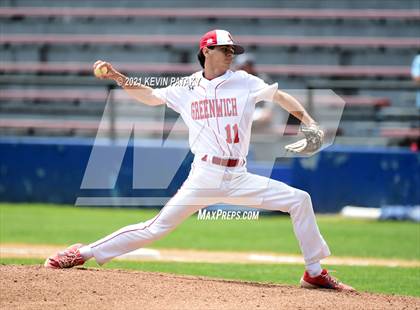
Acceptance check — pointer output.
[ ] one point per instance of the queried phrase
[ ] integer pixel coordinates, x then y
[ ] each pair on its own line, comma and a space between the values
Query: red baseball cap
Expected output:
219, 37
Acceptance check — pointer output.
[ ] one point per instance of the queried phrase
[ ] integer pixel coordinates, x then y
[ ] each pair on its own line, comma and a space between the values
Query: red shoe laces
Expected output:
330, 279
69, 259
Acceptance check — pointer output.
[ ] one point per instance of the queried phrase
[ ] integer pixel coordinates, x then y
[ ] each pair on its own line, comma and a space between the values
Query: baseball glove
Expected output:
314, 137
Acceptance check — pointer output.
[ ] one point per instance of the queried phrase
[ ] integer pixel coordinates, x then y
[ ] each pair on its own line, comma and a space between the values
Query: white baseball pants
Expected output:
209, 184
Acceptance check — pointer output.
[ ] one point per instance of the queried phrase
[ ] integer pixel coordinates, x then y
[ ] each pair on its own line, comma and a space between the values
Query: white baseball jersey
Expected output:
218, 112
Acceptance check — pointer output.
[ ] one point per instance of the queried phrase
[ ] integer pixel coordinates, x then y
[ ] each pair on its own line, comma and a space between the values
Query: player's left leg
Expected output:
275, 195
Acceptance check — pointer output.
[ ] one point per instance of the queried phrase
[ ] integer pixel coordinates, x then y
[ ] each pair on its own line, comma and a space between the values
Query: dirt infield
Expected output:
34, 287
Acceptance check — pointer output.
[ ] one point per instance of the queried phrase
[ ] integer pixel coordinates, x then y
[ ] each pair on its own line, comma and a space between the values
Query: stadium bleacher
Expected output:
296, 43
273, 69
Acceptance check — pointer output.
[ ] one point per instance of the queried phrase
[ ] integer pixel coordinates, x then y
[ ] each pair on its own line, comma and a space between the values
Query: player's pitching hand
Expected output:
103, 70
314, 136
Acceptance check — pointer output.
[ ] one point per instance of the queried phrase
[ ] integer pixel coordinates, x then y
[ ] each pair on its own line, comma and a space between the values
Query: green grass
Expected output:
371, 279
51, 224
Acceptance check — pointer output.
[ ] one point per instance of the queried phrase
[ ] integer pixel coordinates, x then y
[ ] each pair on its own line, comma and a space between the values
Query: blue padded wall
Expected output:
342, 176
51, 170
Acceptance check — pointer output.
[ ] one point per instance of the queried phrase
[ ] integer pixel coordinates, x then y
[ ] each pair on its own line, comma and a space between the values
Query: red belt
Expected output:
226, 162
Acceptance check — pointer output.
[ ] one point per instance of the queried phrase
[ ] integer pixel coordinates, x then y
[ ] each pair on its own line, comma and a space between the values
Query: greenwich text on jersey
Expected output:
210, 108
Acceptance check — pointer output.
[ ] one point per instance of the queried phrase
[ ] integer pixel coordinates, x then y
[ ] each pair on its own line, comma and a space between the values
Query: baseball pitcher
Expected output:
217, 105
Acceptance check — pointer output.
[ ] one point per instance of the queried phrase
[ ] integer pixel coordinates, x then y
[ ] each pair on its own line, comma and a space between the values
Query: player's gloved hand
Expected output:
314, 136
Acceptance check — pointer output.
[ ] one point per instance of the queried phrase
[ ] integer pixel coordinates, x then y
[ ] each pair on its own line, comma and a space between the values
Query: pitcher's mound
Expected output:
34, 287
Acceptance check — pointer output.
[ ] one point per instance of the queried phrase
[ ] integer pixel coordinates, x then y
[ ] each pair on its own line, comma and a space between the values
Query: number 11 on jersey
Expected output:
235, 137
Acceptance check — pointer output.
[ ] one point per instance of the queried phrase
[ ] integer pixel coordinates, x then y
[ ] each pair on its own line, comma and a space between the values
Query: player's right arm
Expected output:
140, 92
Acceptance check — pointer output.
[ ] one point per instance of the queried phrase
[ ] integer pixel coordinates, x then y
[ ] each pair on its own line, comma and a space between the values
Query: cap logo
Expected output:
219, 37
